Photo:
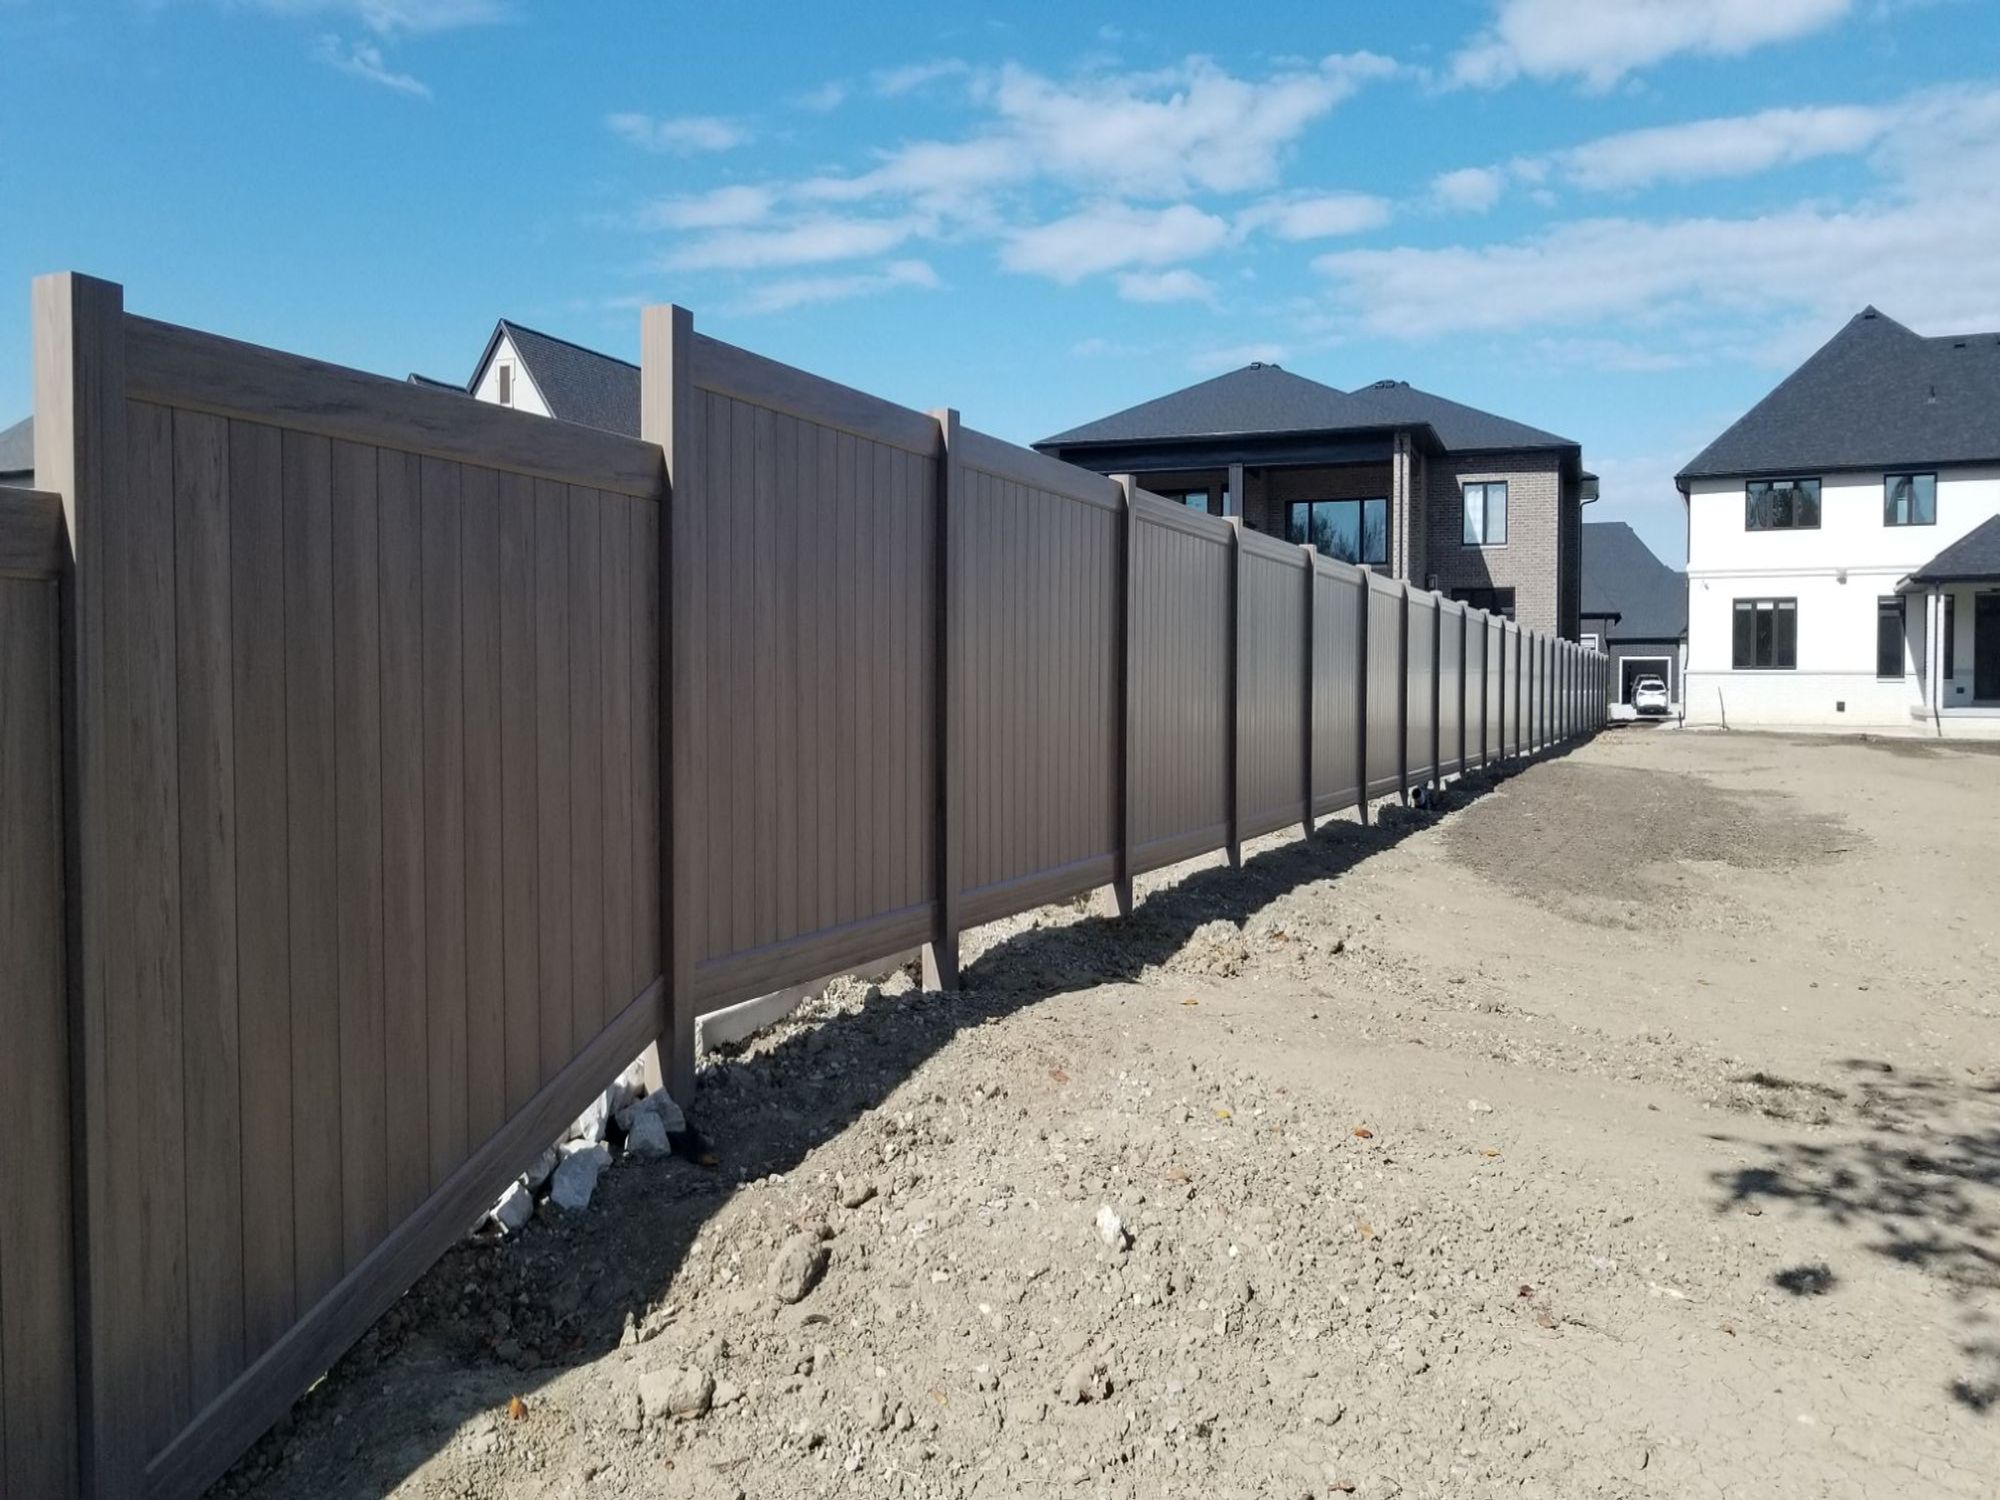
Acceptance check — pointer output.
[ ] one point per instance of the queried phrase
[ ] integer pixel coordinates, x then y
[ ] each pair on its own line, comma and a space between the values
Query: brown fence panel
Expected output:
1420, 702
37, 1343
804, 618
1272, 683
355, 678
1338, 591
1182, 584
1040, 630
1451, 687
1386, 685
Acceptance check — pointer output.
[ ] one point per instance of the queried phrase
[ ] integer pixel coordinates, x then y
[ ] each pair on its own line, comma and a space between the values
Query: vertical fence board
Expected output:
444, 809
552, 735
614, 749
357, 718
207, 765
586, 781
520, 863
405, 990
485, 865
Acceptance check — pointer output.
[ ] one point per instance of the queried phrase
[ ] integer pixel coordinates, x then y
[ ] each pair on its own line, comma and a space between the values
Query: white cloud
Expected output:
1600, 41
943, 174
682, 135
720, 208
1469, 189
364, 60
1315, 216
824, 99
1235, 356
1111, 236
1169, 133
780, 296
390, 17
1738, 146
810, 242
891, 83
1178, 285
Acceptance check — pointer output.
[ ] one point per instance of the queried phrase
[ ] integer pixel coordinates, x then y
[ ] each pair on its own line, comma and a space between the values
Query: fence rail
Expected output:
380, 771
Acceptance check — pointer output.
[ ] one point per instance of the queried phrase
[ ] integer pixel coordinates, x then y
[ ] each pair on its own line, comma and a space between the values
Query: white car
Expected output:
1649, 696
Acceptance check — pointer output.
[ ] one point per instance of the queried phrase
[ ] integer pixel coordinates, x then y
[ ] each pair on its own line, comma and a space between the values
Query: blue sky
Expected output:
1620, 219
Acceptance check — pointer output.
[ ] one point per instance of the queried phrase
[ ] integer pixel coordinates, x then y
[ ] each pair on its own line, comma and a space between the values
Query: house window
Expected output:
504, 384
1196, 500
1950, 638
1486, 514
1766, 635
1889, 636
1909, 500
1590, 640
1354, 531
1494, 601
1781, 505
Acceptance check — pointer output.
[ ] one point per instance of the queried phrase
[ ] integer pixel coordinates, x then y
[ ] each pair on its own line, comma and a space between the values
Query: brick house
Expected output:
1477, 506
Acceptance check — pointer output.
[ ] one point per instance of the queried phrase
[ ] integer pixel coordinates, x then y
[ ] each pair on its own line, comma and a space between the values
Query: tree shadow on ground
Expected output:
1917, 1178
491, 1321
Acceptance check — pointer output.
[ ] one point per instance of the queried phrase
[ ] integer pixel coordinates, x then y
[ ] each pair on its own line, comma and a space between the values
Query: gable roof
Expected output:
1973, 557
1875, 395
1266, 399
17, 448
1622, 577
579, 384
1459, 428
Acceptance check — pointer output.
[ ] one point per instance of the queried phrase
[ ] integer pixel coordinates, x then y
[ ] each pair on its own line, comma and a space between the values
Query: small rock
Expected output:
873, 1411
1479, 1106
1324, 1410
1086, 1381
515, 1208
631, 1412
727, 1393
589, 1126
1110, 1228
676, 1393
544, 1168
576, 1179
854, 1194
797, 1267
647, 1136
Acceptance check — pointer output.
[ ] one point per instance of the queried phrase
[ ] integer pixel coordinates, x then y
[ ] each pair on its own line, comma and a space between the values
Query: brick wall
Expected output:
1530, 561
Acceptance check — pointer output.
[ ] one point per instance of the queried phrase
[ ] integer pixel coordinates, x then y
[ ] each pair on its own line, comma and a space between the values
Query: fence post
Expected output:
666, 401
1464, 684
80, 453
1403, 695
940, 963
1437, 696
1237, 566
1311, 676
1121, 889
1361, 700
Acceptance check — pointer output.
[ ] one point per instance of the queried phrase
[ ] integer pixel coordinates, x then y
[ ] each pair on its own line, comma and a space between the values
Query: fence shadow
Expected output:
565, 1288
1916, 1182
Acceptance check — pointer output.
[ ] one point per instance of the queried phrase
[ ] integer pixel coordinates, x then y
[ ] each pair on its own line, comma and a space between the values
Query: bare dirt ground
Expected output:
1632, 1128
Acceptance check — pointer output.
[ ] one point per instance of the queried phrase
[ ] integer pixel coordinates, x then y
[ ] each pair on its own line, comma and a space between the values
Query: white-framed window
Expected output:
1486, 513
1590, 640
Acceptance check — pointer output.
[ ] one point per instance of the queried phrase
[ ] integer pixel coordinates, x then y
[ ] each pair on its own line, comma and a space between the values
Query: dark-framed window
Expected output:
1781, 505
1950, 637
1889, 626
1354, 531
1494, 601
1765, 635
1195, 500
1909, 499
1486, 513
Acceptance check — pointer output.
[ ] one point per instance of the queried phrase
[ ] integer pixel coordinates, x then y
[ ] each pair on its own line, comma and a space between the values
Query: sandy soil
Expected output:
1632, 1128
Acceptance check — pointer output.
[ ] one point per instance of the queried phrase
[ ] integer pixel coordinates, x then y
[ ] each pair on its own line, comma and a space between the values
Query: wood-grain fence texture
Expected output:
381, 771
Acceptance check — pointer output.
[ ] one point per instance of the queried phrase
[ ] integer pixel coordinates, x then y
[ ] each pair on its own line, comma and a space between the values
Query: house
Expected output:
552, 377
1477, 506
1634, 608
1843, 561
17, 454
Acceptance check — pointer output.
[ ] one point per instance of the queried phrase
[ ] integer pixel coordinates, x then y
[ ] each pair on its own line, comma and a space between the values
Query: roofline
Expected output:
500, 328
571, 343
1810, 471
1561, 445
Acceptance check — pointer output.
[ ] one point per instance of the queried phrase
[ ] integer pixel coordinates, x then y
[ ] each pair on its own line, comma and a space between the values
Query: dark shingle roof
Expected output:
1460, 428
1258, 398
1622, 576
433, 383
17, 448
1264, 399
579, 384
1974, 556
1876, 395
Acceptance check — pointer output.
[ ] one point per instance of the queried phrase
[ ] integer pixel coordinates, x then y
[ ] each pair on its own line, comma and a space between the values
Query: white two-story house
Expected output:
1844, 541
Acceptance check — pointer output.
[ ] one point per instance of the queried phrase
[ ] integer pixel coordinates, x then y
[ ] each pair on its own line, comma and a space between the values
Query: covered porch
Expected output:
1959, 591
1357, 512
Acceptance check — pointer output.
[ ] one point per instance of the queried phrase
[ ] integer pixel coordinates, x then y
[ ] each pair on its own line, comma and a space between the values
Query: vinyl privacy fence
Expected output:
380, 772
